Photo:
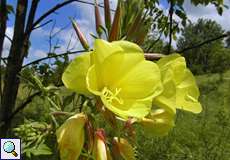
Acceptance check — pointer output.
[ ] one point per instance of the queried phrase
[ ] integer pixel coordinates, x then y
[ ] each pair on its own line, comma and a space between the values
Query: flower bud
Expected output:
71, 136
115, 30
107, 14
98, 19
101, 151
80, 35
90, 136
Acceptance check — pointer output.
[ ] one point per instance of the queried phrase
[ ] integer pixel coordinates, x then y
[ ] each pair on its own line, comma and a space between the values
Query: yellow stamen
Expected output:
110, 96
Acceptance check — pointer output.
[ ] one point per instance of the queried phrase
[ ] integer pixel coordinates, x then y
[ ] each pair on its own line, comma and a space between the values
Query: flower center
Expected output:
111, 96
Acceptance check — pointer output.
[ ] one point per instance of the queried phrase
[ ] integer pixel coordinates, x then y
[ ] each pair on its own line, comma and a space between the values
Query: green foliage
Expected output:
33, 135
152, 45
161, 21
51, 73
211, 57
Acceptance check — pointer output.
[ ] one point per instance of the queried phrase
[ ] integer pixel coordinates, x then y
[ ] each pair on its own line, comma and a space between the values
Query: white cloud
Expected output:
7, 43
38, 53
209, 12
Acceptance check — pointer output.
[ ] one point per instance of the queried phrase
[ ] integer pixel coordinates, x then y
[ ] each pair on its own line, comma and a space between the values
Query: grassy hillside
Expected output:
205, 136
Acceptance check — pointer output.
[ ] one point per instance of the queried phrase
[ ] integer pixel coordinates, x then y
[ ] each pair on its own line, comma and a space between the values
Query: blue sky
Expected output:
40, 37
84, 14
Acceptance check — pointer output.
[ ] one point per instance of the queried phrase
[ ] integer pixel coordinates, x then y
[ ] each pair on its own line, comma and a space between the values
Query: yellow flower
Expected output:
180, 88
71, 136
158, 123
118, 73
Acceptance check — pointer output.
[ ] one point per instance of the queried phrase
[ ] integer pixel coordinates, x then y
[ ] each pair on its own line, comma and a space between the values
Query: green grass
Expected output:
205, 136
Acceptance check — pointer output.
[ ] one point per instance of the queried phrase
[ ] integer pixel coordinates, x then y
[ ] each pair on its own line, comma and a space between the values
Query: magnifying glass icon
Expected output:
9, 147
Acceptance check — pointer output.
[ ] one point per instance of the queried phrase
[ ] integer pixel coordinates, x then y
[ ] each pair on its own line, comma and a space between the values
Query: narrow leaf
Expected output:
107, 15
133, 27
114, 34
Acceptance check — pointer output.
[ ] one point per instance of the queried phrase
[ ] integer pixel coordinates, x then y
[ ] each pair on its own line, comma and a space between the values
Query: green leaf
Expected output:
68, 99
42, 149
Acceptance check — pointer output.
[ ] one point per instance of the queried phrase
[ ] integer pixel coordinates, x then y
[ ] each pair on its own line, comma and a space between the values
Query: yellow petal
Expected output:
117, 66
167, 99
169, 104
102, 50
136, 77
74, 77
167, 60
128, 47
173, 62
129, 108
71, 136
93, 82
158, 123
141, 82
187, 94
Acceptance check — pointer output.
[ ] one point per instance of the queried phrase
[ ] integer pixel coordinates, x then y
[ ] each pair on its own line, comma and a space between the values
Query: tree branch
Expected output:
170, 25
203, 43
29, 24
55, 8
53, 56
8, 38
148, 56
23, 105
32, 12
60, 113
153, 56
4, 60
52, 10
45, 23
155, 41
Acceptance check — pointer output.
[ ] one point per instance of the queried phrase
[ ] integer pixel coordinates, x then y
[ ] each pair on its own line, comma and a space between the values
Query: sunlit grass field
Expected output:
205, 136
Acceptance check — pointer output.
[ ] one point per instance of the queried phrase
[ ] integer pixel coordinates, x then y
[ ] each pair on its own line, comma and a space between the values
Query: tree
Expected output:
200, 60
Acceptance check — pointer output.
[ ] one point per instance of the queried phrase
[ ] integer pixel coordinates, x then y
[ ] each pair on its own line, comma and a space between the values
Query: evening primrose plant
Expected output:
123, 88
130, 89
